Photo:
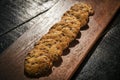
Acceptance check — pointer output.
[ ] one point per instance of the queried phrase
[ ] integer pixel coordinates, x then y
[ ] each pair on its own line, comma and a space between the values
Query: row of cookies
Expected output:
50, 47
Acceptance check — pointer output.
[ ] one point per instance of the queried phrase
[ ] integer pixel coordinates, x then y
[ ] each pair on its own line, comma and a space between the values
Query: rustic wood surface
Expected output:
12, 59
22, 10
17, 16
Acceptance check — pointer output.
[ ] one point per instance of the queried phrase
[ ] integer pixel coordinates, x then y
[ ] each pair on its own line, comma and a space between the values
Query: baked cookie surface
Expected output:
49, 48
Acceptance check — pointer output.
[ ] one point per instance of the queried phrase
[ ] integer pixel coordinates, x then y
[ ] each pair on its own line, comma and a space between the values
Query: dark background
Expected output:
102, 62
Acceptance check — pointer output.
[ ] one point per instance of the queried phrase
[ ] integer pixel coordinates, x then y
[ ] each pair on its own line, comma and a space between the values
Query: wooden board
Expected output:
103, 60
12, 59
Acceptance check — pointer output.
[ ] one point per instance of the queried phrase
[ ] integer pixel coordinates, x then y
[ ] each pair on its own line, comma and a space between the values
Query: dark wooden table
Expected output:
102, 62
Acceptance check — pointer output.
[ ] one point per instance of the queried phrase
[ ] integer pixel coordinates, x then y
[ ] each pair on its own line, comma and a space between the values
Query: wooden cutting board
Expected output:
12, 59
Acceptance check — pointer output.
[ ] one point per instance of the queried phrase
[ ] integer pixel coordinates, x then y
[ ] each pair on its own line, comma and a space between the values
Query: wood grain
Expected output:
12, 60
14, 13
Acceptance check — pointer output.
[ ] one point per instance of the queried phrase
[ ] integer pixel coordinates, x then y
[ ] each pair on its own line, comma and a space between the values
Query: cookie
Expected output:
80, 15
39, 65
59, 37
84, 7
50, 46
